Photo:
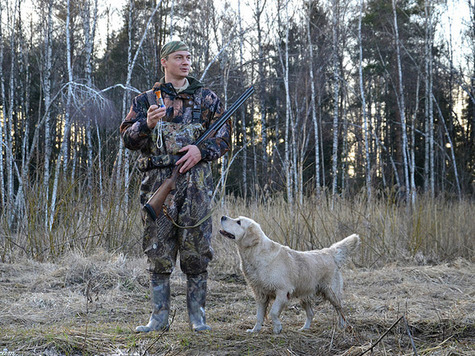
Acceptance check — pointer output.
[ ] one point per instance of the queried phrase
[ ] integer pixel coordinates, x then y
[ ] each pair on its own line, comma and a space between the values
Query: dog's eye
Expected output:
239, 222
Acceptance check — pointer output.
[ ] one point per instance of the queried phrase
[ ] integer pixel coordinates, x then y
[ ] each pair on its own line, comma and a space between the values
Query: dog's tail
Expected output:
342, 249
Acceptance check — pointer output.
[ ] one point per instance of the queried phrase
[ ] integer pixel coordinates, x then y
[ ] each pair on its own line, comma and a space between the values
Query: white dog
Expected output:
277, 272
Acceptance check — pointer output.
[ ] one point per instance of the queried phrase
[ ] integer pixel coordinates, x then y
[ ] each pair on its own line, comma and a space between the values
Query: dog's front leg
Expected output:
281, 300
307, 306
262, 303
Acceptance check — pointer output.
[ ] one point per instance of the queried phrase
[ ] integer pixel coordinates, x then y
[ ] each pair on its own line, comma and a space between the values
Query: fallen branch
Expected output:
387, 331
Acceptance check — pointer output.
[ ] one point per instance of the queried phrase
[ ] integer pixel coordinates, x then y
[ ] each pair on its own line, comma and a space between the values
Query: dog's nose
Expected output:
223, 218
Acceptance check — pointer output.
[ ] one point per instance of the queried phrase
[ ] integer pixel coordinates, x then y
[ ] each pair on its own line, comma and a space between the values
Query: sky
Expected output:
452, 22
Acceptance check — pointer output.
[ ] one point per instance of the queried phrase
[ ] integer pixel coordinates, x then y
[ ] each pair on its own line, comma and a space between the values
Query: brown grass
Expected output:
87, 297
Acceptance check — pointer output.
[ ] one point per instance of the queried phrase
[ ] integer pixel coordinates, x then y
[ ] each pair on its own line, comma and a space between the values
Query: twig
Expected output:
382, 336
159, 336
410, 336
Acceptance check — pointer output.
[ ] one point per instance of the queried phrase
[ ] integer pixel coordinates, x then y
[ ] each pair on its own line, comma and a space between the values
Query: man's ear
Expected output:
251, 236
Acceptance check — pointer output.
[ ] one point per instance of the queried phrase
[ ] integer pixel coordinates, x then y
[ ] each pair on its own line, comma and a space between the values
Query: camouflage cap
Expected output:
173, 46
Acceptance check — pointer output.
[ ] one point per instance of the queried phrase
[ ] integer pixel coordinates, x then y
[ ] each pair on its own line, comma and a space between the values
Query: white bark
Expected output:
336, 94
429, 174
243, 114
89, 35
413, 147
62, 158
48, 55
258, 16
313, 108
3, 113
288, 112
401, 103
363, 106
9, 120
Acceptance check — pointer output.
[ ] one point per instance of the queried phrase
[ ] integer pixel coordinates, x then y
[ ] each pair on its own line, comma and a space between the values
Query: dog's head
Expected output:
246, 232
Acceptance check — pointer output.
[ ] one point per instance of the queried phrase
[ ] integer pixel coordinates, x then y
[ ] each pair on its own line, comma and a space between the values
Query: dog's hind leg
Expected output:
334, 297
262, 303
281, 299
307, 306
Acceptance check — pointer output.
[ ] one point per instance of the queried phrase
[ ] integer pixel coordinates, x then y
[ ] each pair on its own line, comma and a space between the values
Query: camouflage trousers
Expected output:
187, 205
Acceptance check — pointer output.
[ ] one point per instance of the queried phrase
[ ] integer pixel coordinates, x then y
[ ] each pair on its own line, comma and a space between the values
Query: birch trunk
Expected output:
429, 162
89, 35
62, 158
401, 103
262, 80
413, 147
9, 120
288, 164
48, 59
336, 94
363, 106
242, 112
313, 109
4, 113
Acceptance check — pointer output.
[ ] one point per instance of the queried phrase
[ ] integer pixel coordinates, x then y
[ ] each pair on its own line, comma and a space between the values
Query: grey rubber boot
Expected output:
160, 288
196, 300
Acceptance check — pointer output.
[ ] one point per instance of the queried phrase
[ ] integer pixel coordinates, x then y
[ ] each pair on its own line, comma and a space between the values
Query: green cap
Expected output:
173, 46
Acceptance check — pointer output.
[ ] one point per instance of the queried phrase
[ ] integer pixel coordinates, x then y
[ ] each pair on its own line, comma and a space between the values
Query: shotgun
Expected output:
155, 203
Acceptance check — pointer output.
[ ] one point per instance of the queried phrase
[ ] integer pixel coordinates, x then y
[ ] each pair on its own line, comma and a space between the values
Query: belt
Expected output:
153, 162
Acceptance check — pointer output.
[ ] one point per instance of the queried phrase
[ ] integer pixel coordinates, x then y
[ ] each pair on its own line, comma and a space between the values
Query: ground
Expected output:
90, 305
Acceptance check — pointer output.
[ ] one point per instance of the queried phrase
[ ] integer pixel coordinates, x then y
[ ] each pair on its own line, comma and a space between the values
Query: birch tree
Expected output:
89, 34
284, 59
62, 158
9, 119
401, 103
46, 70
363, 107
336, 95
313, 106
3, 112
429, 179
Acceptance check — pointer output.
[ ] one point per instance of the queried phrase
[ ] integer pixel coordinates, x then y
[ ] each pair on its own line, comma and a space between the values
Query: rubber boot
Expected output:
160, 288
196, 300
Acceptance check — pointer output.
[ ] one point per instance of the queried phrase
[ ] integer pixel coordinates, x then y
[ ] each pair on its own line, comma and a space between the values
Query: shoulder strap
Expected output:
196, 112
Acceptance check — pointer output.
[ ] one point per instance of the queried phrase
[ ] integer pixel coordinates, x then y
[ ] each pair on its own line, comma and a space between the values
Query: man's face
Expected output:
177, 65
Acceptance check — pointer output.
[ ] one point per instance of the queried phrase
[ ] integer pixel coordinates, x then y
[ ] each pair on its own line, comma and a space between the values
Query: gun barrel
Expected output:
227, 114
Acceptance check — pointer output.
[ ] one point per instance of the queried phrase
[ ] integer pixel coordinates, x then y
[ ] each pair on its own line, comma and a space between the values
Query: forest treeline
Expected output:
370, 96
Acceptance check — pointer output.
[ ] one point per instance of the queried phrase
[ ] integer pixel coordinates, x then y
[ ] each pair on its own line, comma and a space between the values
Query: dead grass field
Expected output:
90, 305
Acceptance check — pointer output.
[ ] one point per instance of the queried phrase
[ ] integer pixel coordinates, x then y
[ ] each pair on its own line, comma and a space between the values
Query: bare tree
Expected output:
401, 103
363, 107
313, 106
48, 65
336, 96
4, 108
429, 178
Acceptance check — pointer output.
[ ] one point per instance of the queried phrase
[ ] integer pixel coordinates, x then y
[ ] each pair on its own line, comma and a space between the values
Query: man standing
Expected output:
164, 133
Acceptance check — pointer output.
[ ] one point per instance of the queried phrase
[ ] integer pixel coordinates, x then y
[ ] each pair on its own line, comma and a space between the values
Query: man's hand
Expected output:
154, 115
190, 159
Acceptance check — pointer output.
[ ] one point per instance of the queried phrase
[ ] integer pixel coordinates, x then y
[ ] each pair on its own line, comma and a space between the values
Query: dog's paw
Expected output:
277, 329
253, 330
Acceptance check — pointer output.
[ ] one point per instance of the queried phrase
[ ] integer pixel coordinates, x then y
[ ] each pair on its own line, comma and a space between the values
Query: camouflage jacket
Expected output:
180, 111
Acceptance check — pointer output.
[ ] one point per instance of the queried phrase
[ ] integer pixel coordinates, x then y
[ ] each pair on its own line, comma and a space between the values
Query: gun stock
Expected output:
155, 203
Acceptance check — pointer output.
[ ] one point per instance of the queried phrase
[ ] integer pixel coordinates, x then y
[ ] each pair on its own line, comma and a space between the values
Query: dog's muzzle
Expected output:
224, 232
227, 234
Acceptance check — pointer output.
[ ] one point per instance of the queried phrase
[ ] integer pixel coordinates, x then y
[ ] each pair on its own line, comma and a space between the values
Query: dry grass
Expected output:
90, 305
83, 288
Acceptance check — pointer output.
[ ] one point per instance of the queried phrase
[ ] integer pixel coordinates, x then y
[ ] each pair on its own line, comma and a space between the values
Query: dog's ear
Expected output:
251, 236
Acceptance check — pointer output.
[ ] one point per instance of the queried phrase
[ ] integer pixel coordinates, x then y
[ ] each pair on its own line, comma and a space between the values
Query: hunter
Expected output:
163, 123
